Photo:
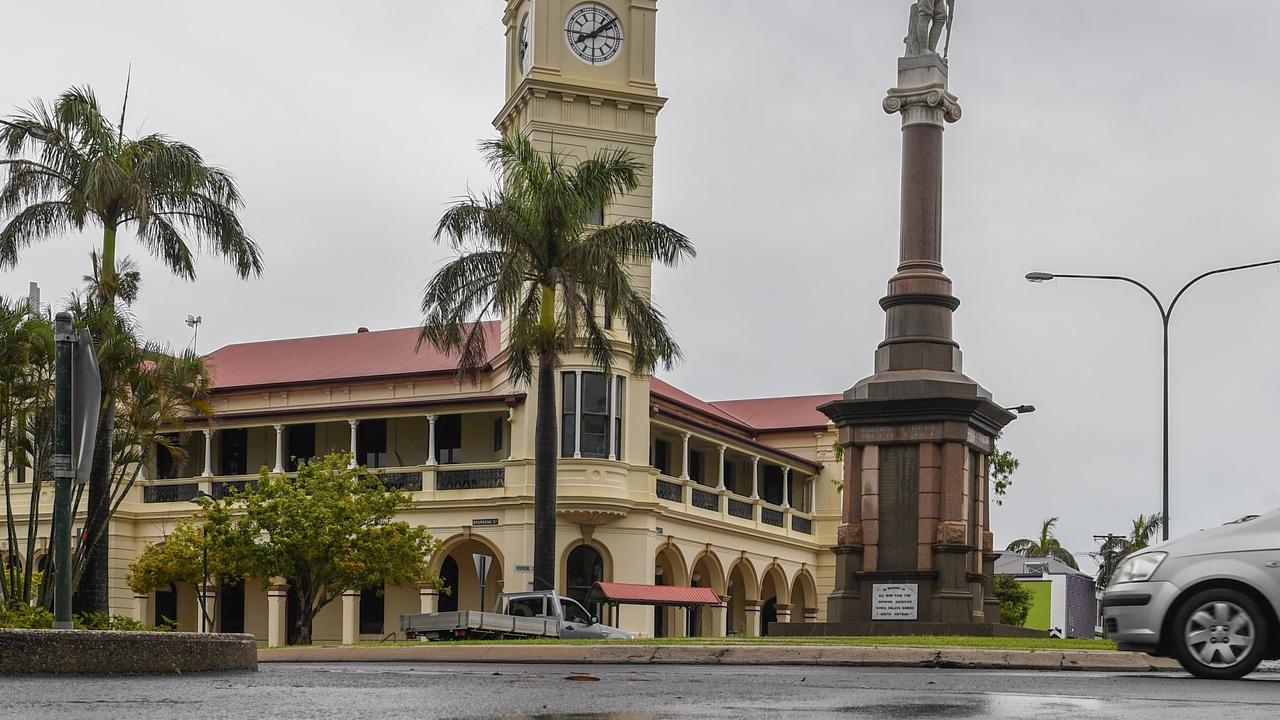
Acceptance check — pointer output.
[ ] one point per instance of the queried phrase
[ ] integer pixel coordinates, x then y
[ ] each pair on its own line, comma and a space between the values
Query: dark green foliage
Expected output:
1015, 600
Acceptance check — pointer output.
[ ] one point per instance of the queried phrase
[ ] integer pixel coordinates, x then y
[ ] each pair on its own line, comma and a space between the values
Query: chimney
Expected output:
362, 330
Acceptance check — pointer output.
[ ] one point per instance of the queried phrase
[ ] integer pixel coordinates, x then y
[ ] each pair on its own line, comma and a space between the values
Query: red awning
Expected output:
634, 594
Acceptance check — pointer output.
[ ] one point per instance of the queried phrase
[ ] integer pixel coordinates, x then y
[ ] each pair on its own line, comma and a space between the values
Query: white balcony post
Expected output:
354, 424
786, 487
577, 415
208, 453
684, 457
511, 433
813, 495
720, 486
755, 478
431, 439
279, 468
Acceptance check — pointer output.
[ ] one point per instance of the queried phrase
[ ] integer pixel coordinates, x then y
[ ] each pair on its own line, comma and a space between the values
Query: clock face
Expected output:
594, 33
526, 50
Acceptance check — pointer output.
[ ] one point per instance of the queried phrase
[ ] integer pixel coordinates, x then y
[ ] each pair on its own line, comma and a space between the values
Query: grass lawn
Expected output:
928, 641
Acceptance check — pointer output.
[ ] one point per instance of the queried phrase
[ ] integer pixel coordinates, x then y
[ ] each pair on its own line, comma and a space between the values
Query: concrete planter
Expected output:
103, 652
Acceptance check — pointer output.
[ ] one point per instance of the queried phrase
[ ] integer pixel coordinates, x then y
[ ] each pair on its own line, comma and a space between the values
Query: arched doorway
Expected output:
669, 569
742, 592
776, 597
464, 589
583, 568
707, 572
804, 598
449, 578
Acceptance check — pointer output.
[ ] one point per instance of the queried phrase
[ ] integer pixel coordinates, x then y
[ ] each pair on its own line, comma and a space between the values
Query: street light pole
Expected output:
1165, 314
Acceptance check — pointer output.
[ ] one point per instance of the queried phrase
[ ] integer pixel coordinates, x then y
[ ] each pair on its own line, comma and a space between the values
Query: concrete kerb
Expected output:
847, 655
109, 652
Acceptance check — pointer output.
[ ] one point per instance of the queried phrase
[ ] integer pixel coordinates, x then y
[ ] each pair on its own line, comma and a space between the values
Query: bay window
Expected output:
590, 415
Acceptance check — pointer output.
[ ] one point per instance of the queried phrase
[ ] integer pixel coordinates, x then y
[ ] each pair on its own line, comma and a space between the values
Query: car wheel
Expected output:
1219, 634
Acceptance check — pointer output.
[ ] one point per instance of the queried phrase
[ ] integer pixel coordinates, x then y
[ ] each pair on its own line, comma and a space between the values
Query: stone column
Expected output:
208, 453
786, 487
755, 478
279, 468
428, 599
751, 618
277, 613
350, 616
143, 603
431, 439
354, 442
684, 457
720, 485
719, 620
677, 622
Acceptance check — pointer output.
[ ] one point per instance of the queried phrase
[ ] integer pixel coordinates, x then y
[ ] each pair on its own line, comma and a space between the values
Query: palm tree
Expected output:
69, 168
1045, 546
529, 252
1145, 528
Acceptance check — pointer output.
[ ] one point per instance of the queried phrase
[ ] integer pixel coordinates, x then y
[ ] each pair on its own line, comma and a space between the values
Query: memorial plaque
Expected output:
894, 602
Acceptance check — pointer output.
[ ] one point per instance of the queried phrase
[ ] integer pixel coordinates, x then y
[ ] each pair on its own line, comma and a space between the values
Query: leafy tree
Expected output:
1015, 600
1000, 469
1144, 530
1045, 546
531, 253
68, 168
331, 529
180, 558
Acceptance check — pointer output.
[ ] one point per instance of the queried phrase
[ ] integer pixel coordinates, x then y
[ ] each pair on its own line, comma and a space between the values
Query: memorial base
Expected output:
887, 628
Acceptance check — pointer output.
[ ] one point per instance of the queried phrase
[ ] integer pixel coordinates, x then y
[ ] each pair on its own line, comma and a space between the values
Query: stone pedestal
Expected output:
143, 603
350, 616
277, 613
719, 620
917, 433
428, 599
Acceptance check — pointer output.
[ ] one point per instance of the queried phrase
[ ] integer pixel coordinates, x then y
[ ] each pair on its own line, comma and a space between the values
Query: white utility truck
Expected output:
519, 615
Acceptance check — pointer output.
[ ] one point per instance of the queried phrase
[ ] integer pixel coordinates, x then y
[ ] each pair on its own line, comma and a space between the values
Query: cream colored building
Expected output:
655, 486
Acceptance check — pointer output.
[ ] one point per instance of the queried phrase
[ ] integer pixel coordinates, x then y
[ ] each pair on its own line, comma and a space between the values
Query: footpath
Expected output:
836, 655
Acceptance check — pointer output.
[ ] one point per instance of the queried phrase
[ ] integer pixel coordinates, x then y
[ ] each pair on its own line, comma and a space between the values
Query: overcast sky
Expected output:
1098, 136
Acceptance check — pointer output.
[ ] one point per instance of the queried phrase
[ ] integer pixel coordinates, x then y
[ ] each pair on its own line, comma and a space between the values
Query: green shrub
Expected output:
106, 621
1015, 600
22, 615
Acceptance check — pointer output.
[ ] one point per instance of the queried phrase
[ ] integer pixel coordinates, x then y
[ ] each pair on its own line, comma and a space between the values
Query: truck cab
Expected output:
573, 619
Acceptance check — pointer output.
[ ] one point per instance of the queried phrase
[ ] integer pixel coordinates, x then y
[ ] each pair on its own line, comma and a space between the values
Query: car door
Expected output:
575, 621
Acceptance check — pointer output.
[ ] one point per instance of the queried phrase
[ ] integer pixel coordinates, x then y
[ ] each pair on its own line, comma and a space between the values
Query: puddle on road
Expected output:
985, 706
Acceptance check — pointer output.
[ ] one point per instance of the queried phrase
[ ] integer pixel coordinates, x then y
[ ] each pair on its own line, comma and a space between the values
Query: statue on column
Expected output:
924, 28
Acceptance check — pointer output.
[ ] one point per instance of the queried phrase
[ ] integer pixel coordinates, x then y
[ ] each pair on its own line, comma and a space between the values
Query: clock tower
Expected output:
580, 77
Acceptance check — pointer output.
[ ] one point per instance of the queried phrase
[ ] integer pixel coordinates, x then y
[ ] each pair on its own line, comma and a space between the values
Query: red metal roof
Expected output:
635, 594
669, 392
779, 413
333, 358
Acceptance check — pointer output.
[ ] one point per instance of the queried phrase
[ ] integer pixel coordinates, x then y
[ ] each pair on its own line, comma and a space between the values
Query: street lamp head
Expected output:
201, 496
1039, 277
1022, 409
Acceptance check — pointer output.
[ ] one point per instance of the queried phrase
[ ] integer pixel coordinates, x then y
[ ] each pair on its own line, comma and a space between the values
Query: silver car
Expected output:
1210, 599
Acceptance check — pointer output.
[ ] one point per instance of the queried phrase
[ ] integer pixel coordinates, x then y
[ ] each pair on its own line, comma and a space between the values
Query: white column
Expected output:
143, 602
577, 415
755, 478
612, 389
279, 468
208, 453
786, 487
354, 424
684, 457
431, 439
511, 433
350, 616
813, 495
720, 486
277, 633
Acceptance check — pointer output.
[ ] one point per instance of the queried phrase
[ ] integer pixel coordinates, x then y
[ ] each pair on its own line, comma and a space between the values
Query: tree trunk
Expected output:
93, 592
544, 478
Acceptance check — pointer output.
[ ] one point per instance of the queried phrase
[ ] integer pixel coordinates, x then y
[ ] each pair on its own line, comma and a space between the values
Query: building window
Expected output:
449, 439
662, 457
373, 606
597, 215
771, 483
618, 395
600, 421
235, 451
696, 463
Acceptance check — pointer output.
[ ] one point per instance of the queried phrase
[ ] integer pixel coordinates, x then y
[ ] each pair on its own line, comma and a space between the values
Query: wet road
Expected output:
519, 691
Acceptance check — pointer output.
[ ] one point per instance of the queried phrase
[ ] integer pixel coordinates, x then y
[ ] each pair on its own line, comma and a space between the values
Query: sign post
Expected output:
77, 392
483, 562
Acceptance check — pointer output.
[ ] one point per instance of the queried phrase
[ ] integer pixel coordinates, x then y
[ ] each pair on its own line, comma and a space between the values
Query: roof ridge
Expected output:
273, 341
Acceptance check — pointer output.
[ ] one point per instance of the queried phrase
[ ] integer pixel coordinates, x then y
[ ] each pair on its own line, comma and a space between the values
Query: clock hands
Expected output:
596, 33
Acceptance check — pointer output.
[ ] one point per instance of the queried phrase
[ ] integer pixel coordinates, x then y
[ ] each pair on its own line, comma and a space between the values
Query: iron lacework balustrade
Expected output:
769, 516
802, 524
706, 500
408, 481
738, 508
473, 479
183, 492
670, 491
229, 487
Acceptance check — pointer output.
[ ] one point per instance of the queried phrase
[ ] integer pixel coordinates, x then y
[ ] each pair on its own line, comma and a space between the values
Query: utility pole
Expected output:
1108, 553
